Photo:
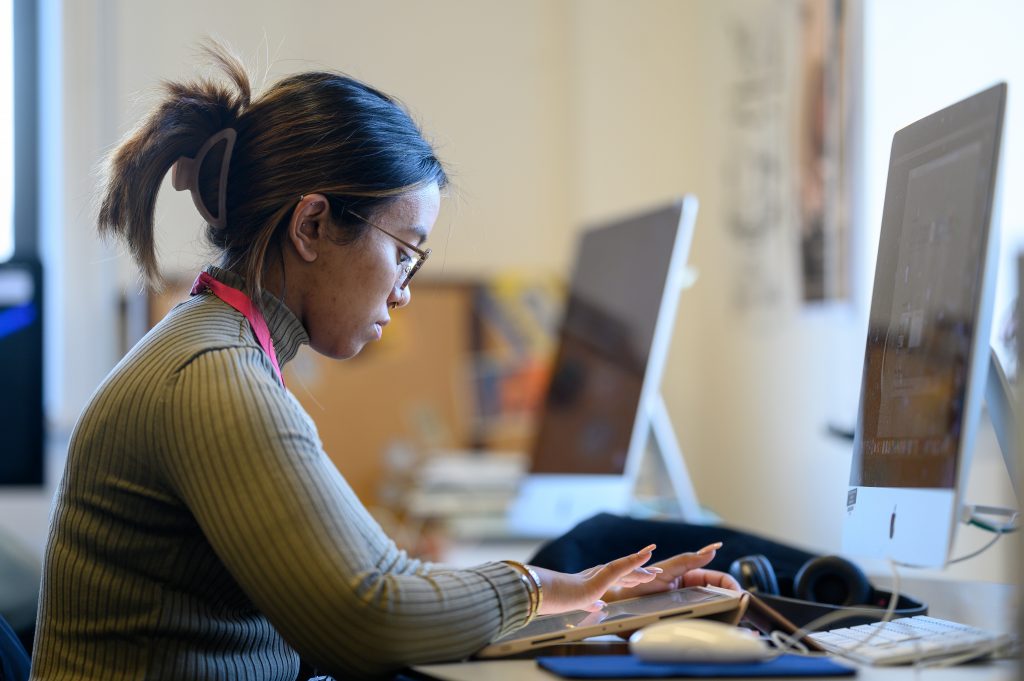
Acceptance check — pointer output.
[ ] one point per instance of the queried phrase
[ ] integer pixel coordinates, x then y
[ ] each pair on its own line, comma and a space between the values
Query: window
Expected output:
6, 131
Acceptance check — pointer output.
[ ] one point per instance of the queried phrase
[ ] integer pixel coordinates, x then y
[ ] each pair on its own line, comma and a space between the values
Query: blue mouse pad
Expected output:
628, 666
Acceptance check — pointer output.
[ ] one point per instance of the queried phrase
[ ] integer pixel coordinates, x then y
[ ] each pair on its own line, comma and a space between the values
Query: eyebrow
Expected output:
421, 233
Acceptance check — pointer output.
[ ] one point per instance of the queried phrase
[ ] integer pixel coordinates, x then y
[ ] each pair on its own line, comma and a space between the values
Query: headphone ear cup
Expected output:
755, 573
832, 580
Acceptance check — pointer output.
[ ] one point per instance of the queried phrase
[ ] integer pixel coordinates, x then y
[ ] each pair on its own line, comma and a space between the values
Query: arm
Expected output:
246, 459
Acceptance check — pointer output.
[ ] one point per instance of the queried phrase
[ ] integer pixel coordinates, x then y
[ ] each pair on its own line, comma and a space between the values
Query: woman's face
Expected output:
353, 288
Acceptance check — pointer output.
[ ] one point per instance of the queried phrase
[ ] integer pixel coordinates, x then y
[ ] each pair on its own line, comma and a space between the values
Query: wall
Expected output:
487, 81
750, 387
550, 114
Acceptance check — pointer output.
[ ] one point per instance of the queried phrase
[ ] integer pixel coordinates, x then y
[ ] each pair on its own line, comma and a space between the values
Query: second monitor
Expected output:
603, 406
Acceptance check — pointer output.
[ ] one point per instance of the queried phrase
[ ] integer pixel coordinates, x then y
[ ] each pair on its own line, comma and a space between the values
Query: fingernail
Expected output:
655, 570
649, 547
710, 547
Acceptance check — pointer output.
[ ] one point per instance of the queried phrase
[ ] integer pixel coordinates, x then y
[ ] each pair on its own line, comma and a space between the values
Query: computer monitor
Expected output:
928, 355
21, 372
603, 406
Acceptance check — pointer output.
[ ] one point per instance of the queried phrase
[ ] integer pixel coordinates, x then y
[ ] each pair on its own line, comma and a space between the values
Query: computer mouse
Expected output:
697, 640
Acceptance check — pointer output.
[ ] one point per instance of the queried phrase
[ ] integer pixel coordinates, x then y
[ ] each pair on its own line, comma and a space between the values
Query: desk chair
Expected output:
14, 661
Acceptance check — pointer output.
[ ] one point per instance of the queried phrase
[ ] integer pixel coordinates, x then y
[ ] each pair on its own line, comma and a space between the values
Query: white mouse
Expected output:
697, 640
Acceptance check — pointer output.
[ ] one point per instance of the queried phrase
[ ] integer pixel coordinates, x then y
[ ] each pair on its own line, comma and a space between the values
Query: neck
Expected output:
276, 282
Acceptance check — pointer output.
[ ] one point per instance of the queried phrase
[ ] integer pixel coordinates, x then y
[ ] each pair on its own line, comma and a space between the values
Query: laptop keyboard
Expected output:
907, 640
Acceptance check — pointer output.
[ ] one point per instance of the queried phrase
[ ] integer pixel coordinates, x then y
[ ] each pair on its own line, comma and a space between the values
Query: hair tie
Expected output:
185, 175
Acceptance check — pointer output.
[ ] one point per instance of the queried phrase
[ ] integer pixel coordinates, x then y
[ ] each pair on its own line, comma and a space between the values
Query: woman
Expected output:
200, 531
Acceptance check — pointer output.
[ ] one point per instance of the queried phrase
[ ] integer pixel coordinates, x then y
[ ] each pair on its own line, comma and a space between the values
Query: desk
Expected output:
986, 605
527, 670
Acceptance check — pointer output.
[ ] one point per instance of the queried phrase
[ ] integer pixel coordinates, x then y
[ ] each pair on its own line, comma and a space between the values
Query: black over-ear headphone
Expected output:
822, 585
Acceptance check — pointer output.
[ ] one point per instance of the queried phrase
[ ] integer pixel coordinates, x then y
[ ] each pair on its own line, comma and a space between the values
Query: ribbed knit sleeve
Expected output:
246, 460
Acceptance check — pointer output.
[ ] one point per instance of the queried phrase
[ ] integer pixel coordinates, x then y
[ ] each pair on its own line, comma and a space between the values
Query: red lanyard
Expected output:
242, 303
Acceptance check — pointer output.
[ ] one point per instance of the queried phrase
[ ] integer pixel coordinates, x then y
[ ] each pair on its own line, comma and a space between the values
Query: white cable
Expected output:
960, 559
793, 642
922, 661
789, 642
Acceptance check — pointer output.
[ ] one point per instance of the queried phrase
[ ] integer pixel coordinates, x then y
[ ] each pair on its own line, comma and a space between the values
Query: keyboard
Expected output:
908, 640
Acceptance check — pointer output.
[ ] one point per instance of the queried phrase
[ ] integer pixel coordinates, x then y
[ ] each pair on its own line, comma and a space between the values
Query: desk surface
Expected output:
527, 670
985, 605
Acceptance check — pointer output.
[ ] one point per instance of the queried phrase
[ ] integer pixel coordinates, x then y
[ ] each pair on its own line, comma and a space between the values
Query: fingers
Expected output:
683, 562
702, 577
640, 575
627, 568
710, 548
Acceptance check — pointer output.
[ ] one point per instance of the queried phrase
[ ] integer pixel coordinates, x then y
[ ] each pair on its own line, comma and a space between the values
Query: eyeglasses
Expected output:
415, 261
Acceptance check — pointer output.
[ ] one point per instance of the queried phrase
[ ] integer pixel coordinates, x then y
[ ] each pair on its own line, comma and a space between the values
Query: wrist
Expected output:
531, 581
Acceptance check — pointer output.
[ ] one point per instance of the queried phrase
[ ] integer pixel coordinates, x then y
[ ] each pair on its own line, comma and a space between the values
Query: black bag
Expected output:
606, 537
799, 585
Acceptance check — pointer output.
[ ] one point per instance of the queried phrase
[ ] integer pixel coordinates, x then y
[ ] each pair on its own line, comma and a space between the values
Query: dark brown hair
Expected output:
314, 132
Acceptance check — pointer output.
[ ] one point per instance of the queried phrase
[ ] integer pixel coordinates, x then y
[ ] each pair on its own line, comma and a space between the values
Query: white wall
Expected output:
550, 114
487, 80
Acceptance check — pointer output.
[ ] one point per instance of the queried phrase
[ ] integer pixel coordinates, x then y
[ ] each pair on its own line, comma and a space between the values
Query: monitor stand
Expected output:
663, 484
550, 504
1000, 401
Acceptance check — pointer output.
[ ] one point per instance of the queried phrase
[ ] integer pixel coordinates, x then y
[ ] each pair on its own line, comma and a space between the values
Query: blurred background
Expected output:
777, 114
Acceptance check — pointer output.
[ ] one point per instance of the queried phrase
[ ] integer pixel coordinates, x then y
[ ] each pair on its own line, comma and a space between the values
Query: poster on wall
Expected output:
754, 171
787, 175
824, 265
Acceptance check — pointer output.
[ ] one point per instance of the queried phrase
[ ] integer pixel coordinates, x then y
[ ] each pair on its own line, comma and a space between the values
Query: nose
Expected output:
400, 297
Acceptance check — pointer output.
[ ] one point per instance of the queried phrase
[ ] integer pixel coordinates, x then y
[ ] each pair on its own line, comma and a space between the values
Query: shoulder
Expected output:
202, 325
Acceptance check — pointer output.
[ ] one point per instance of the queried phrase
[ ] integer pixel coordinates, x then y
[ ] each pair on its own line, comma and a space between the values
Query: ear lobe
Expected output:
308, 225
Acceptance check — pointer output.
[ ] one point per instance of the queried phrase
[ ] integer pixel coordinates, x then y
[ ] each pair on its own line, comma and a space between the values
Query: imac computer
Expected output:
603, 407
928, 364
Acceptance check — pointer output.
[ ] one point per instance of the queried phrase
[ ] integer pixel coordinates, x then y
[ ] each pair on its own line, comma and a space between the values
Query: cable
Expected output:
790, 642
983, 549
998, 535
996, 529
793, 642
976, 511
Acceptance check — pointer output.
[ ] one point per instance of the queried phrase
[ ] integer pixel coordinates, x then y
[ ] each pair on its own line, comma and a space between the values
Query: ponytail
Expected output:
310, 132
190, 113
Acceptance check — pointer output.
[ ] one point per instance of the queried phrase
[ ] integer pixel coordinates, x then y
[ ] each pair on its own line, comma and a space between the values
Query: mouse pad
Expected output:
628, 666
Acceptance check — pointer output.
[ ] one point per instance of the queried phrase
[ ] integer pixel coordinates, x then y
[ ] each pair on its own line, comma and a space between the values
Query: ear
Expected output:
308, 226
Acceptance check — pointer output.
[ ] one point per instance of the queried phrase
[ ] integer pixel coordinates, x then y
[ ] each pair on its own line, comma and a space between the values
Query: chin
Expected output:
343, 351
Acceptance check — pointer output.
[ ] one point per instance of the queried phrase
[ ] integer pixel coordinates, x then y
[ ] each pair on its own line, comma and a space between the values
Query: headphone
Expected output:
822, 585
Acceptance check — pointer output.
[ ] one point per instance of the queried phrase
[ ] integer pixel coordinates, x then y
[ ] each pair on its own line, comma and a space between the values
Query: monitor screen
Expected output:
615, 299
21, 373
927, 347
928, 282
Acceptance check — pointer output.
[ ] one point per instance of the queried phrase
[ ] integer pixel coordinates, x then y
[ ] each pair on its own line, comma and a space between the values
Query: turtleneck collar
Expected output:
286, 330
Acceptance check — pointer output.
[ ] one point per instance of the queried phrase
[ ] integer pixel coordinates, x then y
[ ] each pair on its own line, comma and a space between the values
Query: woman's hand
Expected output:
685, 569
584, 590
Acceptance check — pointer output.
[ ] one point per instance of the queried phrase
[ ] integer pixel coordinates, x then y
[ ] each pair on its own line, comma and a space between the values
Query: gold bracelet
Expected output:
540, 590
531, 583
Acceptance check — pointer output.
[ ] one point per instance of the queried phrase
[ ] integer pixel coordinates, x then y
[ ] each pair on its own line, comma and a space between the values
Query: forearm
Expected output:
390, 621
